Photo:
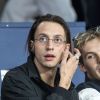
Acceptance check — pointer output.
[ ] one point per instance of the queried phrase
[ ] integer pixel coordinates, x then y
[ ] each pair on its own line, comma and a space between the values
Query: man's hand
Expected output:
68, 67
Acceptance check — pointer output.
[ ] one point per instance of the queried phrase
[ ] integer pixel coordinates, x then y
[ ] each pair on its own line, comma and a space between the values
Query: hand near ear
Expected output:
68, 67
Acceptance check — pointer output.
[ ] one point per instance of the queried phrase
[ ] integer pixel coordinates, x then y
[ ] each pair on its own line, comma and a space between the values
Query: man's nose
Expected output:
50, 45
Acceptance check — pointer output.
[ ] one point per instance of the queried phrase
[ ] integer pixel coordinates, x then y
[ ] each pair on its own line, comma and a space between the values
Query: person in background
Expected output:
50, 67
89, 45
27, 10
2, 5
91, 12
77, 4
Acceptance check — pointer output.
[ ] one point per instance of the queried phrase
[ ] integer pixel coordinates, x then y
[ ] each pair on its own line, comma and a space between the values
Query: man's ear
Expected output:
82, 67
67, 46
31, 45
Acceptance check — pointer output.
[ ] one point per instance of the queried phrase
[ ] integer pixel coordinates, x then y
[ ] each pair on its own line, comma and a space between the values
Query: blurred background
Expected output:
27, 10
70, 10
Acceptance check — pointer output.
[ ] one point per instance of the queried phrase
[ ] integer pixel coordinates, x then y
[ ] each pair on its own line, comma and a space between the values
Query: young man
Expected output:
48, 72
89, 45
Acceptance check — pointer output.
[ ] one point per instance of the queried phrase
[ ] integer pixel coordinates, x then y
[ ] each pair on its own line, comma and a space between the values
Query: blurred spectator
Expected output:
79, 9
27, 10
91, 12
2, 4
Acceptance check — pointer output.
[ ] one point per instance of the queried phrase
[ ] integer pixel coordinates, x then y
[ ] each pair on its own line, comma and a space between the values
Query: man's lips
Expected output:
49, 57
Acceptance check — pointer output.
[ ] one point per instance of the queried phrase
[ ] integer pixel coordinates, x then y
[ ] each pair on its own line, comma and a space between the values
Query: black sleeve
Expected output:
63, 94
17, 89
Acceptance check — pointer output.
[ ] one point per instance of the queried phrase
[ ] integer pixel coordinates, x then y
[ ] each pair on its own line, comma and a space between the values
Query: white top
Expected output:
26, 10
89, 94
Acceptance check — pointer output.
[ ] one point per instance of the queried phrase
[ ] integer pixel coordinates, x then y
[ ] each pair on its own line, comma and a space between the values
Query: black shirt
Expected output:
89, 83
24, 83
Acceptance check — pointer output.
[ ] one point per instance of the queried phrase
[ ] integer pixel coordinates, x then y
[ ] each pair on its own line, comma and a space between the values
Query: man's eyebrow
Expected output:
90, 53
42, 34
59, 35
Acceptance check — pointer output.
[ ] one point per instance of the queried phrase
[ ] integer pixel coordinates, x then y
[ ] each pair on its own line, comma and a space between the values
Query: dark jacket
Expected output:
89, 90
24, 83
95, 84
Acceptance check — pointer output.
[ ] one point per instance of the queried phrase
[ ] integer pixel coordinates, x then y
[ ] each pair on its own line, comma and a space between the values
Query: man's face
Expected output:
91, 58
48, 54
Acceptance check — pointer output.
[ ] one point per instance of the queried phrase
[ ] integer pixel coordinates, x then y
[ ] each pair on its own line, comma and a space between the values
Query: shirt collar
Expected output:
32, 70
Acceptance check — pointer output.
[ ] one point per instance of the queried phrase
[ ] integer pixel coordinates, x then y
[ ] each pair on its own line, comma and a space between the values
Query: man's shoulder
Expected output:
87, 91
89, 94
82, 86
17, 72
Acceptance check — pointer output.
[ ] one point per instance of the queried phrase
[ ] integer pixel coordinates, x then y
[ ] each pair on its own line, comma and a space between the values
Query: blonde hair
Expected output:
84, 37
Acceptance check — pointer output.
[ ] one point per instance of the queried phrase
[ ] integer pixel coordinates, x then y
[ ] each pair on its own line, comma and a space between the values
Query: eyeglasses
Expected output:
44, 40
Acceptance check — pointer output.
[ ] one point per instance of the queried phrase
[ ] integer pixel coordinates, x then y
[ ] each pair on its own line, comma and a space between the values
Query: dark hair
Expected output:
50, 18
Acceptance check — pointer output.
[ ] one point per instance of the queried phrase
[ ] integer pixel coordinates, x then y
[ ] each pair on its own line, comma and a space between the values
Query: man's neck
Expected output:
48, 77
47, 74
